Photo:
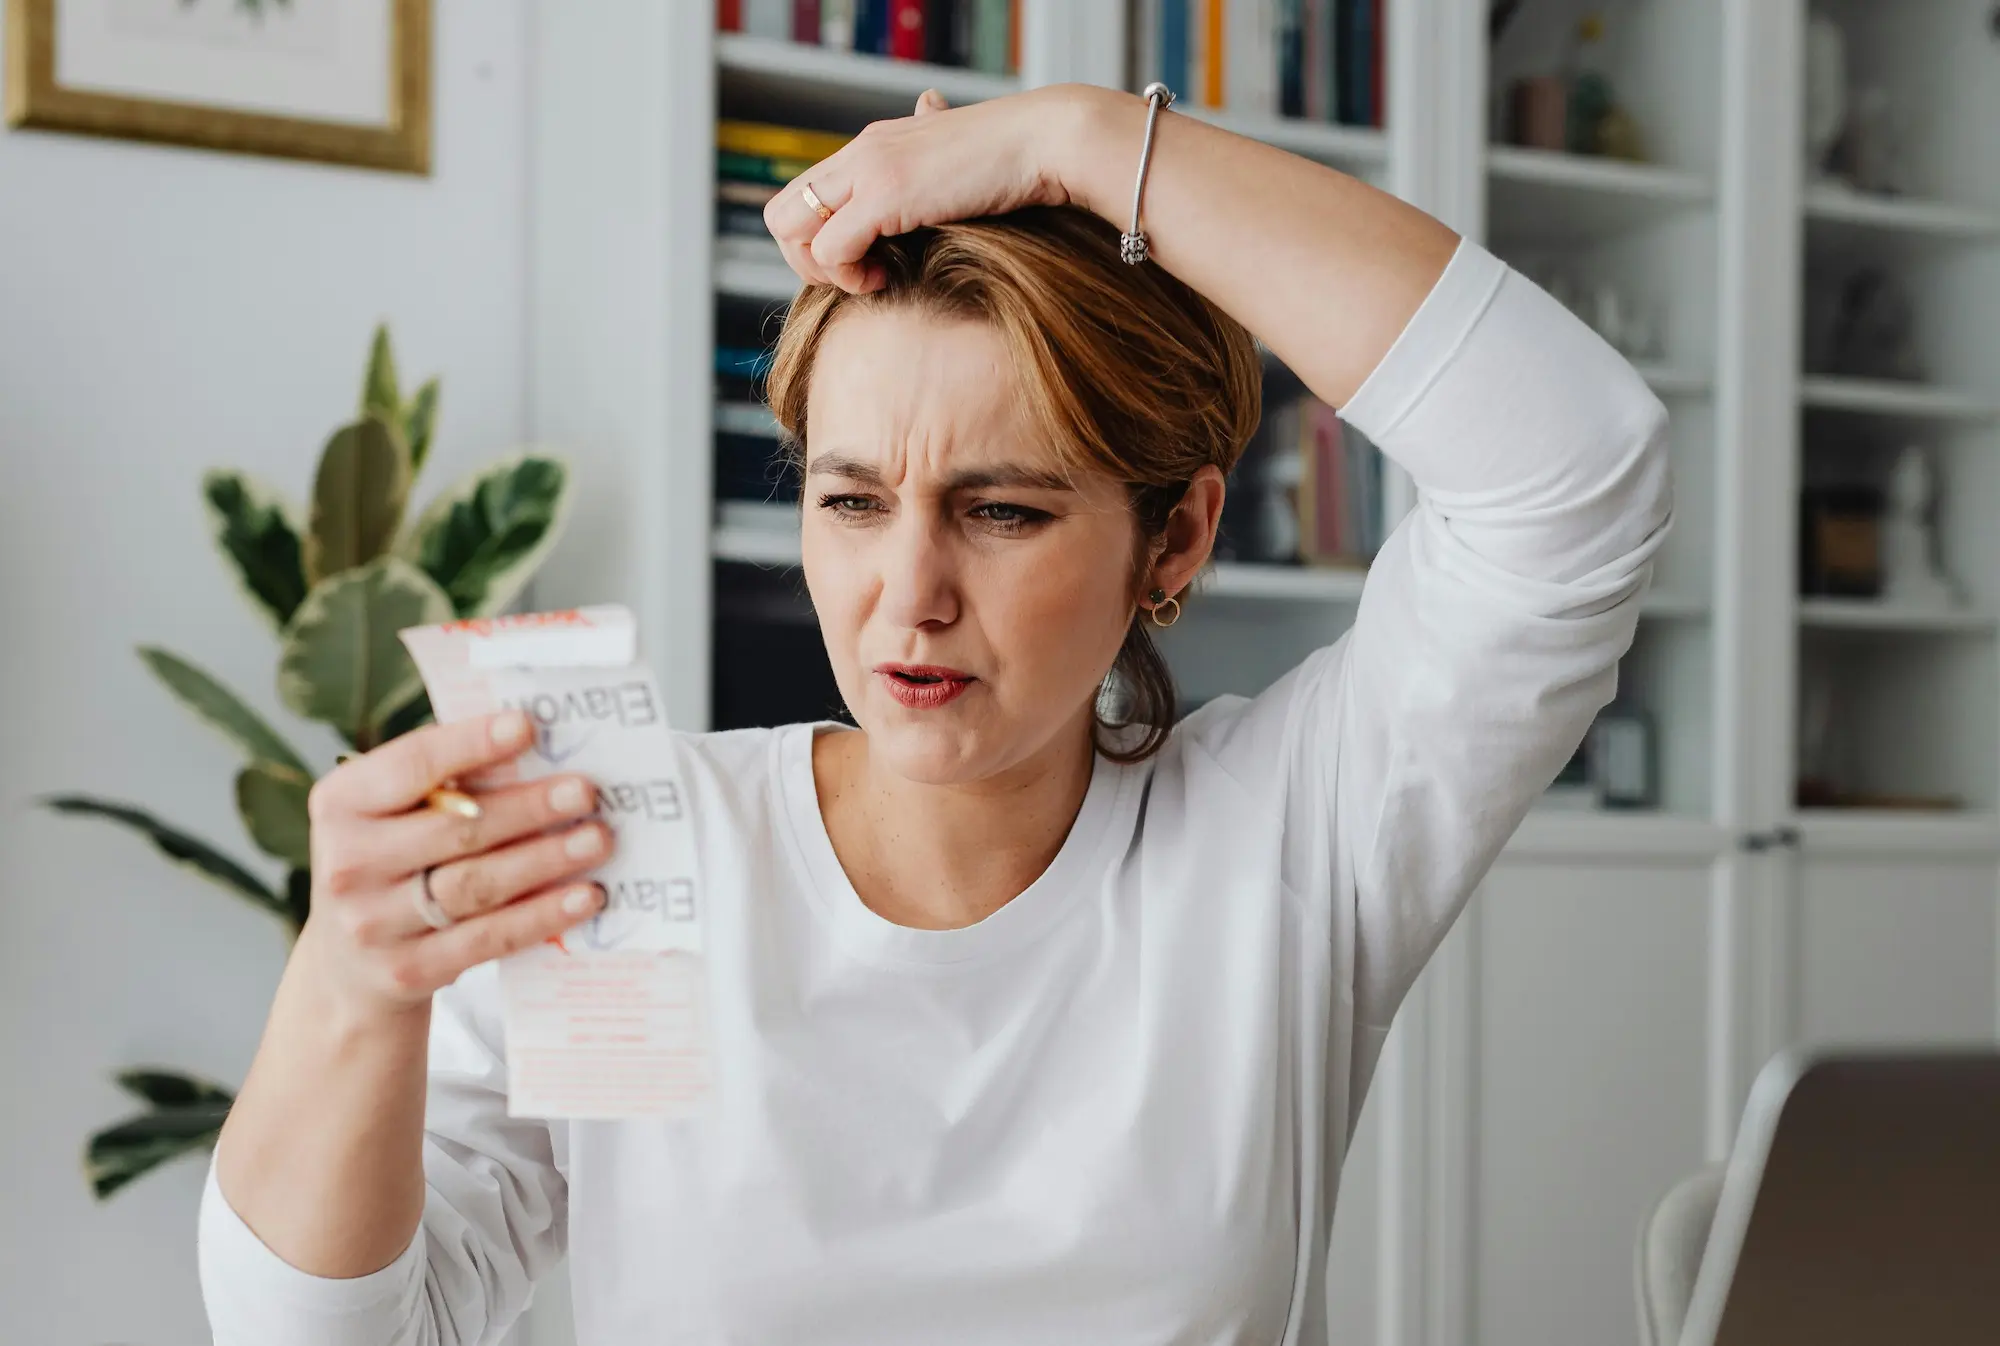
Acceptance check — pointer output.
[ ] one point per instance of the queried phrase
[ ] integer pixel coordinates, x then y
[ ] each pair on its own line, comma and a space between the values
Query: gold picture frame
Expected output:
35, 98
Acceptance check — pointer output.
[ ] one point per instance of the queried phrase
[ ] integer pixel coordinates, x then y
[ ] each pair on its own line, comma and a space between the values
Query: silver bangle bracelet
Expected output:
1132, 247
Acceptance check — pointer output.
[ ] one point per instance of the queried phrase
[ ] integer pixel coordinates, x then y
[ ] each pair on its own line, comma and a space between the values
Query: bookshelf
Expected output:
1723, 923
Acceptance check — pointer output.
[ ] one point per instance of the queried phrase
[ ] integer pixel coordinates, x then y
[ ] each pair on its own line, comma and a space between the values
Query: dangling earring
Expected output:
1158, 598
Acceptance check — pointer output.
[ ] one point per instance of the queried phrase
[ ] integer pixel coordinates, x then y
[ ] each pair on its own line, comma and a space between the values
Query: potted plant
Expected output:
335, 590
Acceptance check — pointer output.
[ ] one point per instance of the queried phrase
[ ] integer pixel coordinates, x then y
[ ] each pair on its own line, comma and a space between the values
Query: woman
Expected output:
1029, 1028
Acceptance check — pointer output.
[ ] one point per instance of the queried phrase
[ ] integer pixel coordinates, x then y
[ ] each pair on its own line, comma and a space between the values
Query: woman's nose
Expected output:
919, 575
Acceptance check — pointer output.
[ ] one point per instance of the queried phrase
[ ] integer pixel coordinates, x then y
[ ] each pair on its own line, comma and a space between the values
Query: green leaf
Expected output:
298, 896
136, 1146
379, 394
258, 531
198, 855
170, 1088
358, 497
272, 800
412, 714
342, 663
222, 708
484, 538
420, 422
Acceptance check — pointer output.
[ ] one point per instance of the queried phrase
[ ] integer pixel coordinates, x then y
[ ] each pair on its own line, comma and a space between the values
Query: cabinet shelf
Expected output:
1860, 614
844, 82
1929, 834
1842, 211
1904, 401
1548, 197
753, 268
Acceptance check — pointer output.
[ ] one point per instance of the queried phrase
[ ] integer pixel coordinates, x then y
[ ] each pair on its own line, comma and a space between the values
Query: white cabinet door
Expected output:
1591, 996
1896, 950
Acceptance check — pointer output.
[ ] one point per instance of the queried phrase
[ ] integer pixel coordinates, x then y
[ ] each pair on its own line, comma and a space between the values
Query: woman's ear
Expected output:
1184, 548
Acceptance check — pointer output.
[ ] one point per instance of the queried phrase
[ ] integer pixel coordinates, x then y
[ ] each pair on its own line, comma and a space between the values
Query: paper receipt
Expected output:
608, 1021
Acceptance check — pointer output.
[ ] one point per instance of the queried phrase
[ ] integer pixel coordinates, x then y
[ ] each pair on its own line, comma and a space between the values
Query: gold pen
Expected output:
447, 798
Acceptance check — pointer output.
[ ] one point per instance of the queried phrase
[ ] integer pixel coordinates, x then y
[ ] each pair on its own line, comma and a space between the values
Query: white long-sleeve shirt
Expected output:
1115, 1110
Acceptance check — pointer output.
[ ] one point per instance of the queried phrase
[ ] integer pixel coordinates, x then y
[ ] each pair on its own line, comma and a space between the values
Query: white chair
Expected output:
1671, 1242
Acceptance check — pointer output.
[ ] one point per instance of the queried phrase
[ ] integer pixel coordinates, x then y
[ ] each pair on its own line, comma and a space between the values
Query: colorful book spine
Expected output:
990, 35
768, 18
806, 22
759, 168
871, 27
939, 16
1174, 46
777, 142
1291, 58
906, 29
836, 24
728, 16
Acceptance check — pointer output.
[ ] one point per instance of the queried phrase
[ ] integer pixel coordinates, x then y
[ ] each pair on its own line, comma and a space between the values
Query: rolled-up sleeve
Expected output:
495, 1218
1492, 622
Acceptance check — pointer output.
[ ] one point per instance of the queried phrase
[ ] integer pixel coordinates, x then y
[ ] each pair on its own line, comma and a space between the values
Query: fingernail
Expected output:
510, 729
584, 841
580, 900
569, 797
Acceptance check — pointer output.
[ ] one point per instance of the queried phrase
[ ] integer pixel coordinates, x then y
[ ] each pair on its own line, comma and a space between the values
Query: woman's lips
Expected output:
924, 686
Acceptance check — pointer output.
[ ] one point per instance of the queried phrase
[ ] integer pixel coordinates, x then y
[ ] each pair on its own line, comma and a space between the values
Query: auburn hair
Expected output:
1127, 372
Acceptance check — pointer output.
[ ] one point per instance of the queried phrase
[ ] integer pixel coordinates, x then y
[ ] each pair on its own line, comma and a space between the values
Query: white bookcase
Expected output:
1588, 1032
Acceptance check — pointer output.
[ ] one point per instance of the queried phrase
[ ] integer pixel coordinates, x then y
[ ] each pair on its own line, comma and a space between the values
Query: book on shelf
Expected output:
754, 159
1307, 491
1314, 60
971, 34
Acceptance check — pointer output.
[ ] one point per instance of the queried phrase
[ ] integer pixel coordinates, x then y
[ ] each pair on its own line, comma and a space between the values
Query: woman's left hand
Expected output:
940, 165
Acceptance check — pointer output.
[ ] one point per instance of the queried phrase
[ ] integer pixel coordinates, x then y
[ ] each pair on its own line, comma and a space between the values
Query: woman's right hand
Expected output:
509, 879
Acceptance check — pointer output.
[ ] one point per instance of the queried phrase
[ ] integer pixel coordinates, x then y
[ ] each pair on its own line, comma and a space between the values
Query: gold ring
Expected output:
811, 197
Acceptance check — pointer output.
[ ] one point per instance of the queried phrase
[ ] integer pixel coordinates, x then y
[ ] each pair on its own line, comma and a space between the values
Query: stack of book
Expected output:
752, 161
1334, 479
973, 34
1320, 60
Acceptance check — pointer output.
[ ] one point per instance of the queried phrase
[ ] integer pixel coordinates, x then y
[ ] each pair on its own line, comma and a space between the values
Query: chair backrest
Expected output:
1671, 1241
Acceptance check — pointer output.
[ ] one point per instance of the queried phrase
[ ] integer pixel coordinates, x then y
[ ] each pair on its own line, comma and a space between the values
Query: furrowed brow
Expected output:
1011, 474
853, 469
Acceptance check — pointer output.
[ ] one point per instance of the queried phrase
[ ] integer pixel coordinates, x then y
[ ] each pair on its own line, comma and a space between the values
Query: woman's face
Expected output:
970, 594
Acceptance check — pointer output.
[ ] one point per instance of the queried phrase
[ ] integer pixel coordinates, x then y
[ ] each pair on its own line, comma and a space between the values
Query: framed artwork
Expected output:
344, 81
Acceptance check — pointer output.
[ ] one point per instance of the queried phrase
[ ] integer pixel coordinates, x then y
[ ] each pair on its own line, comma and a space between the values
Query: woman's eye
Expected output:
847, 504
1007, 516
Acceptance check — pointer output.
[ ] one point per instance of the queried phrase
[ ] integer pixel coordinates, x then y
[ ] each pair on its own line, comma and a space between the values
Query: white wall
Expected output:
161, 311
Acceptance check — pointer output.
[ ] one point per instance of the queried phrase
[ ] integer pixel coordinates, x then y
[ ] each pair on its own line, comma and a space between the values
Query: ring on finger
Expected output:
427, 905
811, 198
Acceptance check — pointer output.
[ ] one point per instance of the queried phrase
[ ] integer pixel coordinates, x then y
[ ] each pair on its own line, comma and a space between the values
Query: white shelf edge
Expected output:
856, 72
1560, 834
1240, 579
1900, 214
1973, 834
1328, 142
1861, 614
741, 279
1553, 168
1884, 397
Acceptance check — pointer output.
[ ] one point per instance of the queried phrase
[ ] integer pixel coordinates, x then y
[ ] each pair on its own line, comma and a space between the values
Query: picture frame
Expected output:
298, 79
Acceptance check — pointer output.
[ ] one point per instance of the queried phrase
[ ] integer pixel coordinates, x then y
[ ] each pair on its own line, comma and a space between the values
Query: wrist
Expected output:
1093, 143
330, 995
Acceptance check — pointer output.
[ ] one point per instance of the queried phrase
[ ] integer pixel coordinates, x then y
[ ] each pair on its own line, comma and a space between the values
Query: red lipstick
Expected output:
923, 686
